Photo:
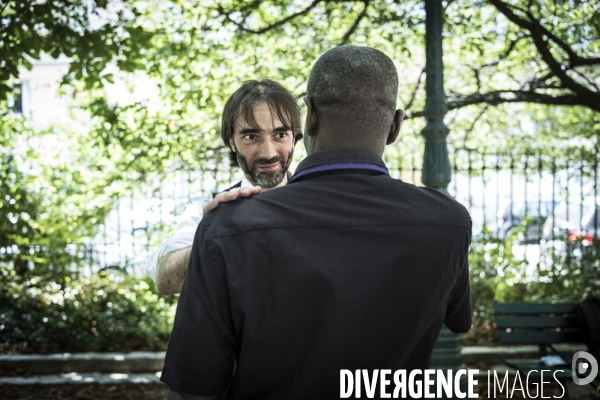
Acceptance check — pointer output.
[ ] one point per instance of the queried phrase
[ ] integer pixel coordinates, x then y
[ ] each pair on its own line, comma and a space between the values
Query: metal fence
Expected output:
142, 218
554, 195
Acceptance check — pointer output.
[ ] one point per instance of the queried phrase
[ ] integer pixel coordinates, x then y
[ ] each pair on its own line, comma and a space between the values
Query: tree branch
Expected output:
586, 96
588, 80
533, 25
448, 5
540, 82
268, 27
476, 73
251, 5
470, 129
516, 8
414, 93
498, 97
556, 86
4, 7
574, 58
355, 24
506, 53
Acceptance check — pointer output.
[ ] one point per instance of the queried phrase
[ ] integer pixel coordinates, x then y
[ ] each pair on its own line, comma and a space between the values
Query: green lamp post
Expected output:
436, 165
436, 171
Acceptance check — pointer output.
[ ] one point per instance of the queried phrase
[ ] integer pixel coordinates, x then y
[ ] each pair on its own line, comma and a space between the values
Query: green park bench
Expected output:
544, 324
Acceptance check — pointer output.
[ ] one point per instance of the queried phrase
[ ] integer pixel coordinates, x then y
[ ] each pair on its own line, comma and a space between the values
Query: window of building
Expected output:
18, 99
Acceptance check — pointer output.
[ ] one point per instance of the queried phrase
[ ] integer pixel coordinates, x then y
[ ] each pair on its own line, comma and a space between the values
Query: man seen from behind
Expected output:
343, 268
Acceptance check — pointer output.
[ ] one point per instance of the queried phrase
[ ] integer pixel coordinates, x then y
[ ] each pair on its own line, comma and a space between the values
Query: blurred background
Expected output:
110, 117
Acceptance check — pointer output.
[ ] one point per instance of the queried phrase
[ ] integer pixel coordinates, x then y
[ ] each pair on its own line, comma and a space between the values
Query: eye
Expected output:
249, 136
282, 135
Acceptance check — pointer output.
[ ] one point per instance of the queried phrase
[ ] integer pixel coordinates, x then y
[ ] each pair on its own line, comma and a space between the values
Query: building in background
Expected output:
39, 100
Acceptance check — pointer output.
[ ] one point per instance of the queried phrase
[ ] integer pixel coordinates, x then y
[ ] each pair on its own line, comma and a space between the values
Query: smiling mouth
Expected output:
268, 167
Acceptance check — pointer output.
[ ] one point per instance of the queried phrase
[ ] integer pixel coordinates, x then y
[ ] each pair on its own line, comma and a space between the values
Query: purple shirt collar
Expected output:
340, 159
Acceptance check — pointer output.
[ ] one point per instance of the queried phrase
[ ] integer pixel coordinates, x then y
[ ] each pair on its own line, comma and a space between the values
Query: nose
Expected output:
268, 149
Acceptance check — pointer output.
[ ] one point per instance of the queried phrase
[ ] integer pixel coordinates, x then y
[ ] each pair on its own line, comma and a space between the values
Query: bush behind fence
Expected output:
521, 250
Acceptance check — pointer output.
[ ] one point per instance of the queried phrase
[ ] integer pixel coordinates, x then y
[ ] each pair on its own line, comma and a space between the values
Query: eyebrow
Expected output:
245, 131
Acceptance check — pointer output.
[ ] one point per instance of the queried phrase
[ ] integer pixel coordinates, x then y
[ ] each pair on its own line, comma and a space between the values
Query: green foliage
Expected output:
91, 33
195, 55
198, 54
499, 273
56, 190
102, 313
52, 200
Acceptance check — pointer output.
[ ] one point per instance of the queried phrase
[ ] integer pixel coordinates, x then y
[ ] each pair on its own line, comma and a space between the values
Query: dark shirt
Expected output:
237, 185
345, 269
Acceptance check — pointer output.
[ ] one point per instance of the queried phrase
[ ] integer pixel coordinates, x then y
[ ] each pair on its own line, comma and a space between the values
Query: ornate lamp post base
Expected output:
436, 165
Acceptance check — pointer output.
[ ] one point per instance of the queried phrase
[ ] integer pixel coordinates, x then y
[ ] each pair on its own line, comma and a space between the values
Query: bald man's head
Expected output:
354, 86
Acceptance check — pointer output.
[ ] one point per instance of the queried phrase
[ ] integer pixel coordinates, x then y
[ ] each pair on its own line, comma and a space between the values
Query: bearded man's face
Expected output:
264, 150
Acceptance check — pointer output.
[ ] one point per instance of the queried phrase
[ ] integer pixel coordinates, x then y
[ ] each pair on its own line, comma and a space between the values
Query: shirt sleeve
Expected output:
459, 314
182, 236
201, 348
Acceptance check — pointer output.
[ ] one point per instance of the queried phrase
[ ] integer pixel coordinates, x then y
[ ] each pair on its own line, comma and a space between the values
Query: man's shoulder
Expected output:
290, 205
231, 217
446, 204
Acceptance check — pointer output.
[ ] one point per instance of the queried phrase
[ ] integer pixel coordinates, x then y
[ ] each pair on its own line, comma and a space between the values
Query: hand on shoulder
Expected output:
230, 195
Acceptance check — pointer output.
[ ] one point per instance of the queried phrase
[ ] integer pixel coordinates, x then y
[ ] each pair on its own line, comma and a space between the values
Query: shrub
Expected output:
496, 274
101, 313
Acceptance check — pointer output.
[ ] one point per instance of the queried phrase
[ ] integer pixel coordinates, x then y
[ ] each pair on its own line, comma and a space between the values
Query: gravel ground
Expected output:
85, 392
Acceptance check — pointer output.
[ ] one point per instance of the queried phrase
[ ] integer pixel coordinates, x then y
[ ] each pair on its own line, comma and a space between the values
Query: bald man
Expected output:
344, 268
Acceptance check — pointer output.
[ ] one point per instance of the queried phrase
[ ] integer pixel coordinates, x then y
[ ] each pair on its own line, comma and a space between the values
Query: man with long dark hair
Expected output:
260, 126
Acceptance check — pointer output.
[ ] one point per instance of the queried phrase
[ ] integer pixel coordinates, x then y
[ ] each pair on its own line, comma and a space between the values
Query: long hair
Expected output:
241, 104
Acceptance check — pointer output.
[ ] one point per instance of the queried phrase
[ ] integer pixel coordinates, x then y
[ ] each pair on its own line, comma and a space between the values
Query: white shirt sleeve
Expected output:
183, 235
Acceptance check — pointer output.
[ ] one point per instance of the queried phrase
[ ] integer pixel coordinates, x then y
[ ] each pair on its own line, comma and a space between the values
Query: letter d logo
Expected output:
583, 367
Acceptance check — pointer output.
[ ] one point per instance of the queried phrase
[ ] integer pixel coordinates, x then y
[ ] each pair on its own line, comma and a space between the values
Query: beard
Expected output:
265, 179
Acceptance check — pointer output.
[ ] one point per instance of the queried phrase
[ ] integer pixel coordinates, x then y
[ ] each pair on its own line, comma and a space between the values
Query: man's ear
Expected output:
311, 125
395, 128
232, 144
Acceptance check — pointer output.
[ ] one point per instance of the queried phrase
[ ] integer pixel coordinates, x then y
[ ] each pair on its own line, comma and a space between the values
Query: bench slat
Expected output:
535, 308
536, 322
539, 337
535, 365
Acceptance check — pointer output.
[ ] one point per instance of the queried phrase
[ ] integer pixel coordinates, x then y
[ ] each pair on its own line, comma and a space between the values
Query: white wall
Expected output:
39, 87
